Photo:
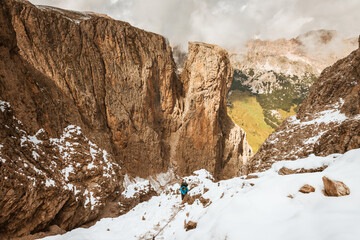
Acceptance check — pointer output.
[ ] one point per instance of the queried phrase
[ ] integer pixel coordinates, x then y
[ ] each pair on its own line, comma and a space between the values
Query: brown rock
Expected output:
208, 136
41, 186
191, 199
335, 188
251, 176
307, 189
340, 139
55, 229
288, 171
190, 225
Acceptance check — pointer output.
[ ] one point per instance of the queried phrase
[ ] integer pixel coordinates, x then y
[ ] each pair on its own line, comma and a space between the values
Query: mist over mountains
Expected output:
228, 23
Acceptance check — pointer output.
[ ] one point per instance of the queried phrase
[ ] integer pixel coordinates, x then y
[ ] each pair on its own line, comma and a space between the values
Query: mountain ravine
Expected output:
88, 102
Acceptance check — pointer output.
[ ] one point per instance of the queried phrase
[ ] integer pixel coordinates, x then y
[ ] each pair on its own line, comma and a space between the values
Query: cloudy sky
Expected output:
228, 23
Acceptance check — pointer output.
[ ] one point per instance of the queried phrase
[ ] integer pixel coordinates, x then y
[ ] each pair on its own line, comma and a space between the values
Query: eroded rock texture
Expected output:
85, 100
45, 181
327, 122
207, 136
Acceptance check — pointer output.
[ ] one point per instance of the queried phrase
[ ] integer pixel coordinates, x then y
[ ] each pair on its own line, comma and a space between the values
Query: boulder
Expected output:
190, 225
335, 188
307, 189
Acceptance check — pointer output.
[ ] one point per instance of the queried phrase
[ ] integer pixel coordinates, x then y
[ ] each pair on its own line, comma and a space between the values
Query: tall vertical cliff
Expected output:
207, 135
86, 99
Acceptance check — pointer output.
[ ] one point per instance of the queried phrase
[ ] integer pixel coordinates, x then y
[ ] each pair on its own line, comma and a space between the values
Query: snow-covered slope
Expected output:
267, 207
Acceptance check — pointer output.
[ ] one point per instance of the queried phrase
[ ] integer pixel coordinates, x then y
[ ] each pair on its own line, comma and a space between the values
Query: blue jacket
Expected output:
184, 190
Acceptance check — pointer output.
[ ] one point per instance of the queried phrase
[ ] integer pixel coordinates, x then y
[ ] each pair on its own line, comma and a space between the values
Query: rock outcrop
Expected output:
45, 181
335, 188
327, 122
288, 171
207, 136
86, 99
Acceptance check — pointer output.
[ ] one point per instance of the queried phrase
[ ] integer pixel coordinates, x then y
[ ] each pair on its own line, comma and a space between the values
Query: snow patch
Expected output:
91, 200
134, 186
4, 105
66, 172
49, 182
81, 16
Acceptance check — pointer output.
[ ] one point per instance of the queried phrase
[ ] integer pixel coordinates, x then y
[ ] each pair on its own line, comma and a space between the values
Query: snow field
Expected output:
241, 211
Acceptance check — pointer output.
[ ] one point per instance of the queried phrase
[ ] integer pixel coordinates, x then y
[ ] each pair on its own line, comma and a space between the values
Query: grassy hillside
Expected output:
260, 113
246, 112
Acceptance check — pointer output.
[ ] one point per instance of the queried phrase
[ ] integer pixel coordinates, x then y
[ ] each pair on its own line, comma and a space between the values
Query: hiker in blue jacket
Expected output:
184, 189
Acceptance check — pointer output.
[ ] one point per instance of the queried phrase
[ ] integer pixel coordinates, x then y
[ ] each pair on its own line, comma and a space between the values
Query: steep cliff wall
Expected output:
207, 135
327, 122
86, 99
121, 79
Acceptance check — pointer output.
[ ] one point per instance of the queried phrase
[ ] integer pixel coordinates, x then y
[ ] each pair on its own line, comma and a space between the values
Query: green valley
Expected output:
246, 112
259, 107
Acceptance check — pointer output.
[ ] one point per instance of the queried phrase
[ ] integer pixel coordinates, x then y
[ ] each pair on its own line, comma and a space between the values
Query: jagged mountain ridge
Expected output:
308, 53
115, 88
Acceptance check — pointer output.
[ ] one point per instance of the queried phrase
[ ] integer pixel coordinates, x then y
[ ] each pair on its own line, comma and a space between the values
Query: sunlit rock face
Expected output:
208, 136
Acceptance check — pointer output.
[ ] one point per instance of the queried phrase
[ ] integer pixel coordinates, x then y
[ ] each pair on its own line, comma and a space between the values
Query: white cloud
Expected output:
226, 22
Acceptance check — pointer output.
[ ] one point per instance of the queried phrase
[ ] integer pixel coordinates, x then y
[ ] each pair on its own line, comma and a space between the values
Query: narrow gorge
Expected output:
87, 101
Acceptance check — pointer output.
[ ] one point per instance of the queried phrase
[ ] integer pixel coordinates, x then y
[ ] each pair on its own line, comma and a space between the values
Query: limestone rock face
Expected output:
85, 100
327, 121
208, 136
335, 188
120, 79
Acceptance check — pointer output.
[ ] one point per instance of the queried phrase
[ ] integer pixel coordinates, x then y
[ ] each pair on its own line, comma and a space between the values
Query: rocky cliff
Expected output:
85, 100
207, 137
327, 122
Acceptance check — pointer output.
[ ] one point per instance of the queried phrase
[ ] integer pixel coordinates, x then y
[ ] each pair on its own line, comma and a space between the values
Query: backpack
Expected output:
184, 189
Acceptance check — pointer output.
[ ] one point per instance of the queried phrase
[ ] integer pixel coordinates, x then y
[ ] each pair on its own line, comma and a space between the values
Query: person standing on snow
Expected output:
184, 189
